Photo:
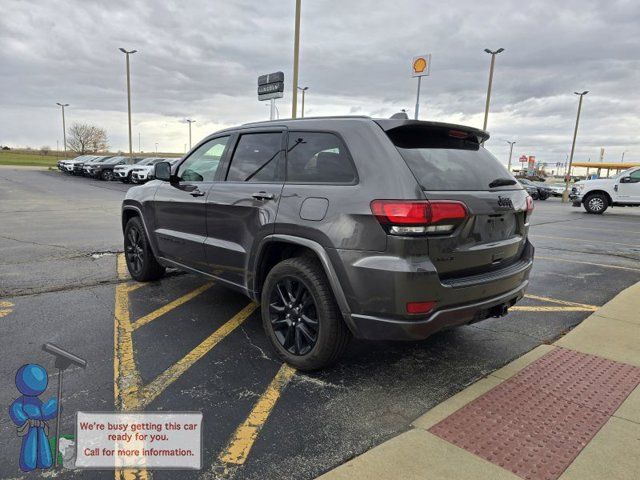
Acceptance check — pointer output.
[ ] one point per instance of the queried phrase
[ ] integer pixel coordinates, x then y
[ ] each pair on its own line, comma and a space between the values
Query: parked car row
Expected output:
109, 168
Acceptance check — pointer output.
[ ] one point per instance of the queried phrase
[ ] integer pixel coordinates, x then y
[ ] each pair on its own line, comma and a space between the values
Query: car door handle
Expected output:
197, 193
263, 196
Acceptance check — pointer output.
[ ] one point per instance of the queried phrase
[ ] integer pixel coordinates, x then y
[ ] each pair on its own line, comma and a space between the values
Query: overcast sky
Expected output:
200, 59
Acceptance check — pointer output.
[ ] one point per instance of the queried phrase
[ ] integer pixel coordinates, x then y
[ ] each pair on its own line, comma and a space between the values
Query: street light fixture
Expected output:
565, 194
493, 62
64, 128
296, 55
303, 90
510, 154
189, 121
127, 53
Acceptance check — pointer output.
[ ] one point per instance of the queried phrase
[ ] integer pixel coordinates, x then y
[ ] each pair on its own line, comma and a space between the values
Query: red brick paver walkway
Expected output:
535, 423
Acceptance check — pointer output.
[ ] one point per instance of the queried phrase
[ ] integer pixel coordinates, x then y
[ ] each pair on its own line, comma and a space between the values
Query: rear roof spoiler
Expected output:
393, 125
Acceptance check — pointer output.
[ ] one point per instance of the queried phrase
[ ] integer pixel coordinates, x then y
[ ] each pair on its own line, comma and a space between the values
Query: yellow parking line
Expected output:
149, 392
561, 302
569, 226
5, 308
240, 445
585, 240
604, 265
550, 309
126, 379
169, 306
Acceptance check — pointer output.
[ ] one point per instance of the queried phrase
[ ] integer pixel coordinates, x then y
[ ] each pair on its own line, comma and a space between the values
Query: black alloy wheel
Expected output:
134, 250
107, 175
294, 315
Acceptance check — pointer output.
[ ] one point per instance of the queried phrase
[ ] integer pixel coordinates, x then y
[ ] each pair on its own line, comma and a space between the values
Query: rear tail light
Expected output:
410, 217
529, 207
420, 307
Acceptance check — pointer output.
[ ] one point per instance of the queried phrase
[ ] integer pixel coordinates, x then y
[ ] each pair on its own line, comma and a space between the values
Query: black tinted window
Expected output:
314, 157
256, 158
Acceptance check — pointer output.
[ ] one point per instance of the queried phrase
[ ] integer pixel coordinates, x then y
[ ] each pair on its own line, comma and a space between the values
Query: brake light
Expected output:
420, 307
529, 210
402, 217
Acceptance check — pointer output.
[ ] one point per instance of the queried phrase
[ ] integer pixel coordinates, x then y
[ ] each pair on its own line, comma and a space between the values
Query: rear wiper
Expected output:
501, 182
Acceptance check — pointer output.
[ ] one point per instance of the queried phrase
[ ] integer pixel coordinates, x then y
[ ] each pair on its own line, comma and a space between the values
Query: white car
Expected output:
141, 174
621, 190
123, 172
67, 165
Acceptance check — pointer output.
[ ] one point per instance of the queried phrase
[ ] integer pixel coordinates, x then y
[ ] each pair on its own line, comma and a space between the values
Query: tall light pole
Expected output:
303, 90
127, 53
64, 127
493, 62
139, 148
156, 148
510, 154
565, 194
296, 55
622, 160
189, 121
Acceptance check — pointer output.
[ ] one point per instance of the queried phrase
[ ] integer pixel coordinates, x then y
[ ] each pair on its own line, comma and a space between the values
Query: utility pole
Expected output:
139, 147
565, 194
189, 121
510, 154
64, 128
127, 53
156, 149
486, 106
303, 90
296, 55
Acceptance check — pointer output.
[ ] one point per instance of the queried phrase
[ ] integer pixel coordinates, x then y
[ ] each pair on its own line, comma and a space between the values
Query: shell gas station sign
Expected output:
421, 65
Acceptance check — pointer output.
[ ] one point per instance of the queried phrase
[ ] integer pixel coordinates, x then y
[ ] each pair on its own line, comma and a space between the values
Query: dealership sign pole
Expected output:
270, 87
420, 67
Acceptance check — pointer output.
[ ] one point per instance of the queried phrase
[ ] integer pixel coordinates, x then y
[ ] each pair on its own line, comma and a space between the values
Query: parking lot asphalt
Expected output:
188, 344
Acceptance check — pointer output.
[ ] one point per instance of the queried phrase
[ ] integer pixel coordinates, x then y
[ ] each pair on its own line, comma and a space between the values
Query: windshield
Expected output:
623, 173
454, 169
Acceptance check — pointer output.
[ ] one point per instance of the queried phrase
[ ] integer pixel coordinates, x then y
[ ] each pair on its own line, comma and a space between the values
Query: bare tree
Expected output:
84, 138
45, 149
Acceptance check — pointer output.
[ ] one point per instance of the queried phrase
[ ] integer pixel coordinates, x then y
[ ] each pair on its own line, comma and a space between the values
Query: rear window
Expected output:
442, 162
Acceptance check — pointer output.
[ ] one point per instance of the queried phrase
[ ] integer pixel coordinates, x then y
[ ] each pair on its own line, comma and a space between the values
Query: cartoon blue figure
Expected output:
31, 415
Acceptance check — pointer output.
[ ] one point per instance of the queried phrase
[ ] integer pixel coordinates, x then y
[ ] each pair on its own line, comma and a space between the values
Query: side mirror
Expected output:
625, 180
163, 171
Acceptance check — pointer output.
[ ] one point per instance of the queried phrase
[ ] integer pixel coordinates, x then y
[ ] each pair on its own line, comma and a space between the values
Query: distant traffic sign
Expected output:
421, 65
271, 86
523, 159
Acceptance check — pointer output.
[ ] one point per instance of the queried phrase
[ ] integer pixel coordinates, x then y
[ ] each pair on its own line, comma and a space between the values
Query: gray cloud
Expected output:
200, 59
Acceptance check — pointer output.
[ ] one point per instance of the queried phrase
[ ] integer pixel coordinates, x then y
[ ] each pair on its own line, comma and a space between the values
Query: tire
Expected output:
543, 196
314, 334
535, 196
141, 261
596, 203
107, 175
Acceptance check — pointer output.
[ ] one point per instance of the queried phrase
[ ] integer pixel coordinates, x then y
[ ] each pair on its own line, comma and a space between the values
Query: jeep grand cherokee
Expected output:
380, 229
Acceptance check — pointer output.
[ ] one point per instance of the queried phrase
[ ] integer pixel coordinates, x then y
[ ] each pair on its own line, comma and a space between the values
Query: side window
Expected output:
202, 165
256, 158
635, 176
315, 157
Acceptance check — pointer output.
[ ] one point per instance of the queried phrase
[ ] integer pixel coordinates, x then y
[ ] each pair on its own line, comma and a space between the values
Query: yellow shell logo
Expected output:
419, 65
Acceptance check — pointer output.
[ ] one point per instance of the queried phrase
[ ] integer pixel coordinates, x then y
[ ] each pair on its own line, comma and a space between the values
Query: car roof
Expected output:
386, 124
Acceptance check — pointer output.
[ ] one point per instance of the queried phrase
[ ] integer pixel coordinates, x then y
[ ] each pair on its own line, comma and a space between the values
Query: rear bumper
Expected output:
376, 328
378, 295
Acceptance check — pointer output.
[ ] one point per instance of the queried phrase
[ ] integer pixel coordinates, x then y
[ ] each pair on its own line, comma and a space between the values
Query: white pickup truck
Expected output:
621, 190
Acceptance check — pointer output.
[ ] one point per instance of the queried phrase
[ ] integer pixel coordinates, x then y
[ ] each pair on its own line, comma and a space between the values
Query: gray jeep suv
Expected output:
340, 226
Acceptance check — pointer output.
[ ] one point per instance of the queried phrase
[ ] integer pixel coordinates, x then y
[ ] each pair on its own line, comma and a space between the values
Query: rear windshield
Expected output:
450, 169
441, 161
